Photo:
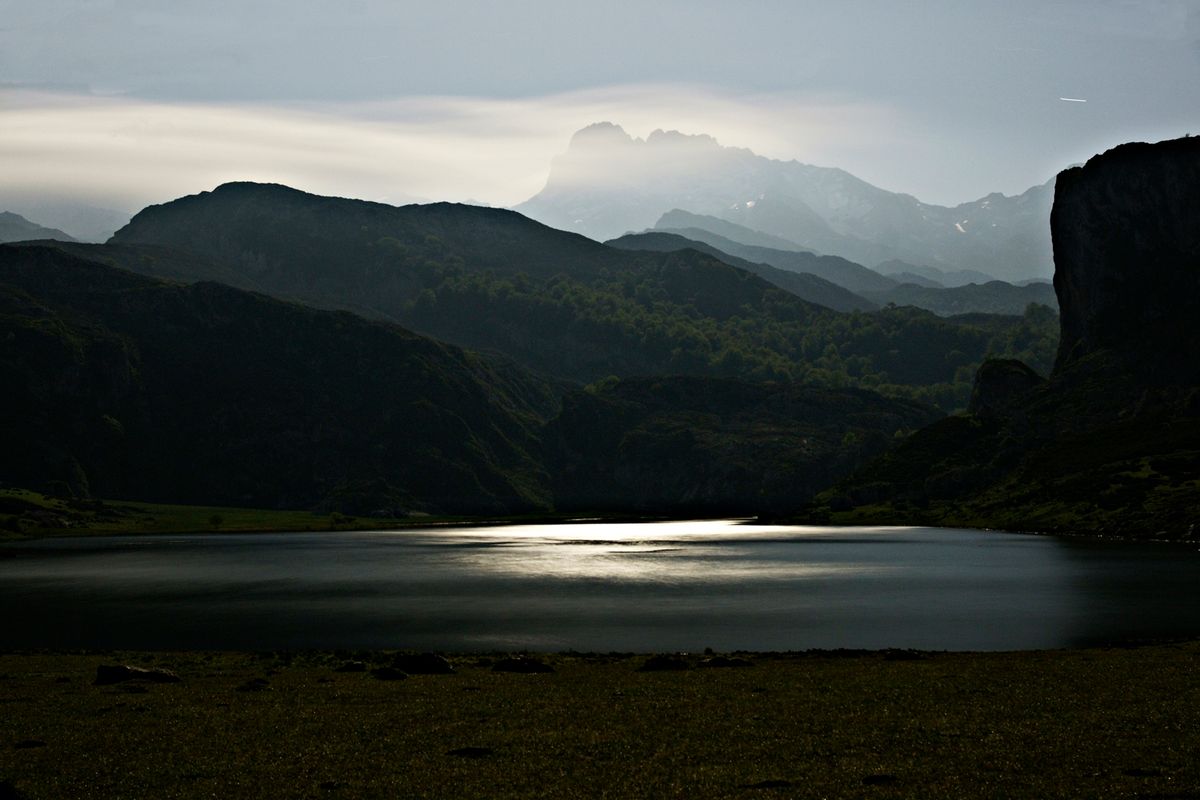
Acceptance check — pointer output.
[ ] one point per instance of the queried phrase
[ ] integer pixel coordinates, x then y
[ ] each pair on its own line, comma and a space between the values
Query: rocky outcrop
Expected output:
1126, 232
1000, 383
1110, 444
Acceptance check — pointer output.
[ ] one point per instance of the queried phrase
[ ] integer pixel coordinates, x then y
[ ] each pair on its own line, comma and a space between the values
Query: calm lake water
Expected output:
597, 587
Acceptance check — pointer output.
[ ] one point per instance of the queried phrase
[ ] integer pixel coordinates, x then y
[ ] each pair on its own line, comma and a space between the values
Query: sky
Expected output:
122, 103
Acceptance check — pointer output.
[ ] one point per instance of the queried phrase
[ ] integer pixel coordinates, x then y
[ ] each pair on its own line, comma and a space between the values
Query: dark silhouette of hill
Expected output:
802, 284
553, 301
15, 228
1110, 443
124, 386
714, 446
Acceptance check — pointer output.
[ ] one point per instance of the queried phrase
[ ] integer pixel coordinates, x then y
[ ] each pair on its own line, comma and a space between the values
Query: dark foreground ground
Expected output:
1081, 723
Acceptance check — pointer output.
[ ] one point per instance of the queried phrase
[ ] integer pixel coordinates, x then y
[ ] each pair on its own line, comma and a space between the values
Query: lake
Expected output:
662, 586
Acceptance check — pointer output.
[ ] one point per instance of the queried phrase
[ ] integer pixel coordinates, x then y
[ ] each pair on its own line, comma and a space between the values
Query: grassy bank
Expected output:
1083, 723
29, 515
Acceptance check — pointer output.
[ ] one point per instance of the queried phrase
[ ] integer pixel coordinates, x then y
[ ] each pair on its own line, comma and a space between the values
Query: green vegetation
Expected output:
1070, 456
557, 302
992, 297
1081, 723
130, 387
25, 514
707, 445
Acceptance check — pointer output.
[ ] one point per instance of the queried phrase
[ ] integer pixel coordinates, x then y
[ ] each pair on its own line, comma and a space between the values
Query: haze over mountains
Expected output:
840, 284
15, 228
72, 217
608, 183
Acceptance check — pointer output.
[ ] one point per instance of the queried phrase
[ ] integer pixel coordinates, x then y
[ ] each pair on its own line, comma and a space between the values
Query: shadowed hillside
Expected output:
1111, 442
715, 446
125, 386
556, 302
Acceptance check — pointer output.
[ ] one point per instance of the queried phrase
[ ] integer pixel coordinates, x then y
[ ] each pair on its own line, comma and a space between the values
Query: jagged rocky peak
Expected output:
677, 139
999, 385
1126, 233
603, 133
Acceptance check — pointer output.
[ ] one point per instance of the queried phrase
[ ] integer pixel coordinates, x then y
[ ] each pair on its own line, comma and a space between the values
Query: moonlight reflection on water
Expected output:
597, 586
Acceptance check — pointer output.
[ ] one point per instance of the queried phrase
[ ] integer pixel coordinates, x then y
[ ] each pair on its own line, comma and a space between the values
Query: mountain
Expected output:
834, 269
993, 297
82, 221
802, 284
927, 275
1110, 443
608, 183
125, 386
15, 228
677, 219
555, 302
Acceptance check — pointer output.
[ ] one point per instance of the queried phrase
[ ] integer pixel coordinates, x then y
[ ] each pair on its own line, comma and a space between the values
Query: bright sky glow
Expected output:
128, 102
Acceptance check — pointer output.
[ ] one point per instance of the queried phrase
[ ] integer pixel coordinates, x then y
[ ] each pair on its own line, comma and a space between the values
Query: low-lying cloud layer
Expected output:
127, 153
132, 152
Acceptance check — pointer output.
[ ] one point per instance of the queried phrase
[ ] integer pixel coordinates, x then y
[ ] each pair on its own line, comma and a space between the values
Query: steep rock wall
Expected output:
1126, 233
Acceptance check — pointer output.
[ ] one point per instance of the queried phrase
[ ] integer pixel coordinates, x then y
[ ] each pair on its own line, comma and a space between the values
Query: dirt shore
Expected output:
1115, 722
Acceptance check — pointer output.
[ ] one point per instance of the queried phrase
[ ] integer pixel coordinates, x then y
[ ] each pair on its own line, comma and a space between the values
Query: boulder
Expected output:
1000, 383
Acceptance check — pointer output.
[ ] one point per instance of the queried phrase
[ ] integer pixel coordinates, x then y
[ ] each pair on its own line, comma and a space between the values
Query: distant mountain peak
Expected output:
16, 228
660, 137
599, 133
608, 183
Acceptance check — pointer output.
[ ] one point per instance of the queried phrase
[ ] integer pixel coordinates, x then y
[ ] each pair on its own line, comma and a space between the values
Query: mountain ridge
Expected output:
16, 228
608, 183
556, 302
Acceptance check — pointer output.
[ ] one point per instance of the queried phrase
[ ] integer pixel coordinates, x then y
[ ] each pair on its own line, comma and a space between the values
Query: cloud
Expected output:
130, 153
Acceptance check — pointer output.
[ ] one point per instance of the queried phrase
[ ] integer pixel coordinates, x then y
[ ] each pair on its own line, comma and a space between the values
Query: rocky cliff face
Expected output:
1126, 233
1110, 444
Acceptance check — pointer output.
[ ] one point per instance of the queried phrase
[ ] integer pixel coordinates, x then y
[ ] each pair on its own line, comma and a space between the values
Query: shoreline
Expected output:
28, 516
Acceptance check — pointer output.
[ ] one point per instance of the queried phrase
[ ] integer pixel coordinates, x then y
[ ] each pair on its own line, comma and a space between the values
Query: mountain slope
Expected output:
677, 218
607, 183
845, 273
557, 302
124, 386
15, 228
992, 297
802, 284
714, 446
